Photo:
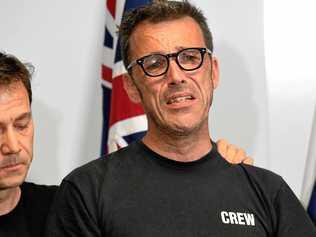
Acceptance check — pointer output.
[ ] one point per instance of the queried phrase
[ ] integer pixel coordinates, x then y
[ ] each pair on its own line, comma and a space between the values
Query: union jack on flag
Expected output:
123, 121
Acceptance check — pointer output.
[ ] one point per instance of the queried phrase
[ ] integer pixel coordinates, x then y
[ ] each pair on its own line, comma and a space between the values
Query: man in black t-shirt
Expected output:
173, 182
23, 206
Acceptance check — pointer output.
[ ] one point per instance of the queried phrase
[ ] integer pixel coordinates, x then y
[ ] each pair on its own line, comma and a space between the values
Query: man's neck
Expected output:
9, 199
180, 148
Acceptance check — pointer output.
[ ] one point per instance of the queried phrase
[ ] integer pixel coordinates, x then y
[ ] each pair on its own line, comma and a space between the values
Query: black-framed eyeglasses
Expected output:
157, 64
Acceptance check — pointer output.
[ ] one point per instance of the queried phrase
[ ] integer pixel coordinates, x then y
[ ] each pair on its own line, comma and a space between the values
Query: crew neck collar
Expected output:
211, 155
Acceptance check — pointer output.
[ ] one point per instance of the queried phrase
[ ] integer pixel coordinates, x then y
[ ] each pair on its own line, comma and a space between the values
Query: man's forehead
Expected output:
13, 94
170, 34
184, 24
13, 109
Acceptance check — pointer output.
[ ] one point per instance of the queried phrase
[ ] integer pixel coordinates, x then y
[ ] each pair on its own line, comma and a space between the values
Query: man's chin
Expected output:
182, 130
11, 182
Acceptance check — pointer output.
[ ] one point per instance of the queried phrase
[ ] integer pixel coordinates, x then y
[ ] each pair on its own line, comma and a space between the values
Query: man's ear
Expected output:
131, 89
215, 72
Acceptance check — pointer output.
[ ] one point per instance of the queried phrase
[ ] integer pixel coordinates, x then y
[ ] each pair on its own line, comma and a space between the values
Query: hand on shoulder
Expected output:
232, 153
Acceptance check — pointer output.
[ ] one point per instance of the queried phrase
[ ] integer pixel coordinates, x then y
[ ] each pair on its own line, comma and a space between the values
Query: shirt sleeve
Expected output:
72, 214
292, 220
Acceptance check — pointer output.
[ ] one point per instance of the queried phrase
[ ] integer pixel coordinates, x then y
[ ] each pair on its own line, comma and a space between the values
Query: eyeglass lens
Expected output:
187, 59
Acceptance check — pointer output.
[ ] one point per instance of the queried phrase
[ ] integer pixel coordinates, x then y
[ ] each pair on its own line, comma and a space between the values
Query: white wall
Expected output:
63, 39
290, 49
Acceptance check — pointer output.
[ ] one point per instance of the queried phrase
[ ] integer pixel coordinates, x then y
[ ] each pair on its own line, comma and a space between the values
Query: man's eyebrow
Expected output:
26, 115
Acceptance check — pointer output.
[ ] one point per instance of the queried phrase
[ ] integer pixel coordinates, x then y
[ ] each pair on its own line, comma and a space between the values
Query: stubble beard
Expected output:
15, 178
180, 131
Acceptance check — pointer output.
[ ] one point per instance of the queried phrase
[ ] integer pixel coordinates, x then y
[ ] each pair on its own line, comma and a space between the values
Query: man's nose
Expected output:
10, 142
175, 75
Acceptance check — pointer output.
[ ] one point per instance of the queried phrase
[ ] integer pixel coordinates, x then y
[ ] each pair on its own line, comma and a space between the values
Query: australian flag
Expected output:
123, 121
309, 184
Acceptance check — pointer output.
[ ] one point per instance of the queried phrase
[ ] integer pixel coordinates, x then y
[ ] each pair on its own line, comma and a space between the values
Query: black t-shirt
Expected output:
137, 193
28, 218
